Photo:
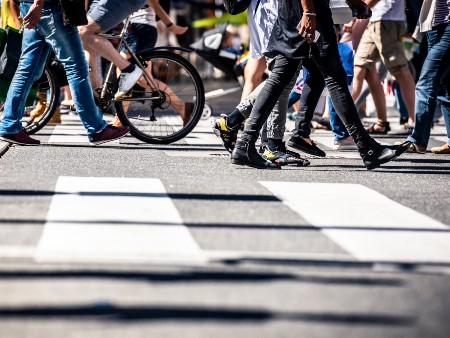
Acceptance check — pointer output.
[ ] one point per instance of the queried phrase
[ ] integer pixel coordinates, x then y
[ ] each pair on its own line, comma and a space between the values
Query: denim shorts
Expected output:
140, 37
109, 13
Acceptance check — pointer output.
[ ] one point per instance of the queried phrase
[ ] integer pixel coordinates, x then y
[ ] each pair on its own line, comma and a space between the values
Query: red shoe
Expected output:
21, 138
110, 133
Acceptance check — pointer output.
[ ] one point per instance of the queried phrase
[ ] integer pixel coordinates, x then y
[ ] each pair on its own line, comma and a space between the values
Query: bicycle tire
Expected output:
48, 86
168, 125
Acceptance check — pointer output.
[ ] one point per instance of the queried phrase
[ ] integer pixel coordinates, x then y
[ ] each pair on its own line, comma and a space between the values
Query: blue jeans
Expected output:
433, 84
65, 42
293, 97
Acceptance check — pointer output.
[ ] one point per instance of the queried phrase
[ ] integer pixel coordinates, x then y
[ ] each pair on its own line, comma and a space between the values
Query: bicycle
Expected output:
46, 86
164, 111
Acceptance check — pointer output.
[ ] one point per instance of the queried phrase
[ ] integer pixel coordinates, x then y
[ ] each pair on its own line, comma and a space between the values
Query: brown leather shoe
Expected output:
41, 105
414, 148
445, 149
56, 118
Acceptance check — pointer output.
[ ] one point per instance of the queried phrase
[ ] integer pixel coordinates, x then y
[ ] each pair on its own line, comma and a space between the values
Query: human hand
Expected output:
178, 30
348, 27
307, 28
33, 16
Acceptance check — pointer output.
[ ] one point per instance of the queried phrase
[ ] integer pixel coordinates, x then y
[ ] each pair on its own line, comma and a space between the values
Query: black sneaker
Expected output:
228, 135
110, 133
300, 144
376, 154
245, 153
21, 138
285, 157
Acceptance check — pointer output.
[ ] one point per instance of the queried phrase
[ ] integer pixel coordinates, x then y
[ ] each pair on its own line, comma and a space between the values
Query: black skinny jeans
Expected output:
324, 67
328, 70
282, 72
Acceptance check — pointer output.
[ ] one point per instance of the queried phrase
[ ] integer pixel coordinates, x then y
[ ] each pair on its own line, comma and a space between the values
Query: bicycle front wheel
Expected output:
170, 111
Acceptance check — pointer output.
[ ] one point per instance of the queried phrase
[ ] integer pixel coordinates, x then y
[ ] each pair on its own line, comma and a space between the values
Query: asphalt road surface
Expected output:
137, 240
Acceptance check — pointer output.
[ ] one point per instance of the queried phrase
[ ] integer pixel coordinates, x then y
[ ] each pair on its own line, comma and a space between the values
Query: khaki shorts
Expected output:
382, 39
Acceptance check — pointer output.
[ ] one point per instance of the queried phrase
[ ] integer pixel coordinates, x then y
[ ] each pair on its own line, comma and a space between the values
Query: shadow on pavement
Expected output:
109, 312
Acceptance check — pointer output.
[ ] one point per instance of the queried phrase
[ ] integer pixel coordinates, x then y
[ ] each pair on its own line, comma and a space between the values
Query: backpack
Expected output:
236, 6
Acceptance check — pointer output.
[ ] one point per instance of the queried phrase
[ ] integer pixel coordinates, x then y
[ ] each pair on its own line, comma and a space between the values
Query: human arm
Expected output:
34, 14
165, 18
15, 13
307, 25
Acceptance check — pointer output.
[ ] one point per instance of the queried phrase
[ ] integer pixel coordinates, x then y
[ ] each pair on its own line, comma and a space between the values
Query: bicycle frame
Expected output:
111, 72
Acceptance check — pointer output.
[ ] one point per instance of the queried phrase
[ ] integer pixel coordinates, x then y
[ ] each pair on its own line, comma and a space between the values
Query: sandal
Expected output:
379, 127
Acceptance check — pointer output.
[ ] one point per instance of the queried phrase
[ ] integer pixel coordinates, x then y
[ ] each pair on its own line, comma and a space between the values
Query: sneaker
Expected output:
445, 149
110, 133
228, 135
413, 148
300, 144
127, 81
21, 138
291, 115
284, 157
67, 103
345, 144
405, 129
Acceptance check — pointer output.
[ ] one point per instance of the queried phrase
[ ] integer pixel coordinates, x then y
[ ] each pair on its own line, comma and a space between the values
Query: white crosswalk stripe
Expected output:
114, 220
71, 131
365, 223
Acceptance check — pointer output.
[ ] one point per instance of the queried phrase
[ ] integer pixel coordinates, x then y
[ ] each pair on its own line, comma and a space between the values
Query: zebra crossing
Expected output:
134, 221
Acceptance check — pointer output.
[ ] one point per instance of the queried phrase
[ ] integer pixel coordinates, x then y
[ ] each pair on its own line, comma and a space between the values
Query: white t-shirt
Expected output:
146, 16
261, 21
393, 10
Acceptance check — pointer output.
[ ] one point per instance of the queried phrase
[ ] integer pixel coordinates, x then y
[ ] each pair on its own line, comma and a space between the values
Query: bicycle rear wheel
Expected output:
167, 115
43, 97
48, 90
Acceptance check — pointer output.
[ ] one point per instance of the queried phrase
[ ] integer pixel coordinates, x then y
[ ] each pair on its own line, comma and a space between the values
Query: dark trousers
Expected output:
326, 69
282, 72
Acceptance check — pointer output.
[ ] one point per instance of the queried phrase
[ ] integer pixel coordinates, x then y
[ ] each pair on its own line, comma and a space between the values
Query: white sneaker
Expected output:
345, 144
127, 81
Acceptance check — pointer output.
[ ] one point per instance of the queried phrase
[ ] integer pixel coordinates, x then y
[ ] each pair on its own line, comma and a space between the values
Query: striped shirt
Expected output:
442, 12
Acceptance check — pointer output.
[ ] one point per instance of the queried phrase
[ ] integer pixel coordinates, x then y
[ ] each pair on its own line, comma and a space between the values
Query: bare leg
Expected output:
253, 72
376, 89
92, 41
176, 102
407, 88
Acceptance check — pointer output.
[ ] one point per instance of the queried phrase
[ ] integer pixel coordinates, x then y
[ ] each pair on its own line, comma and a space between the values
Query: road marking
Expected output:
365, 223
99, 219
70, 131
203, 135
